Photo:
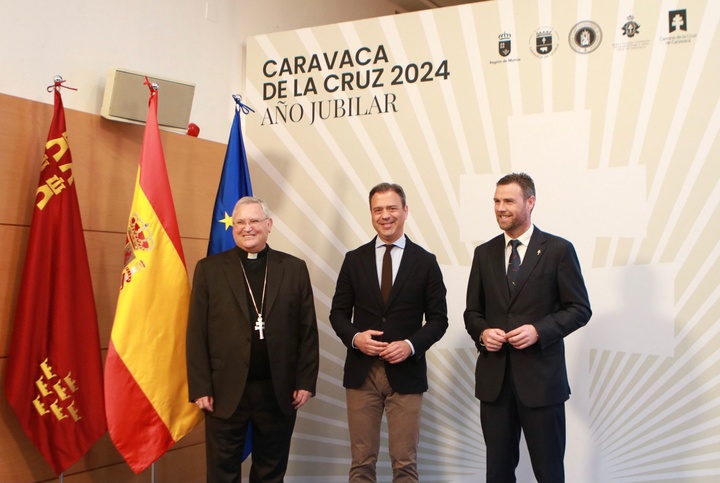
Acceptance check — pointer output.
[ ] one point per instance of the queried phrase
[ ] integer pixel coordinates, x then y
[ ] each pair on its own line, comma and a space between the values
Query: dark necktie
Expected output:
386, 274
513, 265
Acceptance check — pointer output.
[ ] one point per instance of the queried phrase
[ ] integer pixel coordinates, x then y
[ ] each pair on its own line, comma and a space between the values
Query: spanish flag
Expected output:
146, 399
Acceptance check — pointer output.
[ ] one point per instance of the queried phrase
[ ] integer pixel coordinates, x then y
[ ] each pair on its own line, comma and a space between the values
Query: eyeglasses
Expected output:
251, 223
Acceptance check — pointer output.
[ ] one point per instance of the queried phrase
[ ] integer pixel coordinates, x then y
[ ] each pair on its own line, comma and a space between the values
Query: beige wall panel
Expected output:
14, 240
194, 167
106, 155
180, 464
24, 131
194, 249
105, 256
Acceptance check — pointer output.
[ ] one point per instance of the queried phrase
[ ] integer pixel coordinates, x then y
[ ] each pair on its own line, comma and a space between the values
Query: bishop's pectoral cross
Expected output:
260, 326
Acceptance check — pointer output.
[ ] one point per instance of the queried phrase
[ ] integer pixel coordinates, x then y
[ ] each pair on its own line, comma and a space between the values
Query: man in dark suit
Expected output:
384, 290
252, 348
518, 318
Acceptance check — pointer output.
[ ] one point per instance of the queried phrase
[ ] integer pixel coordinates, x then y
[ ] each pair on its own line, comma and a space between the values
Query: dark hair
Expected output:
384, 187
523, 180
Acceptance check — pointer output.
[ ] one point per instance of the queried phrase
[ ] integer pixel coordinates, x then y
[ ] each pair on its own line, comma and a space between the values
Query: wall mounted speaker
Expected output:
126, 99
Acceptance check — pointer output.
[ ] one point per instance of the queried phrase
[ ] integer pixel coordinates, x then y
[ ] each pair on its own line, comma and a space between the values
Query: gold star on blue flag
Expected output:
227, 220
234, 184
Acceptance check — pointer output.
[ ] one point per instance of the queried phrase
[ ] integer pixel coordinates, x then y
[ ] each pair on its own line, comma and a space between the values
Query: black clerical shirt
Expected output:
255, 271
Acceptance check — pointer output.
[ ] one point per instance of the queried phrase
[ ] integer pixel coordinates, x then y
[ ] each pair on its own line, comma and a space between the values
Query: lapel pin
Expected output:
539, 252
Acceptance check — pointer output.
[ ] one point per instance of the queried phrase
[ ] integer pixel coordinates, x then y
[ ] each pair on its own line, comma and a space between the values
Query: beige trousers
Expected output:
365, 407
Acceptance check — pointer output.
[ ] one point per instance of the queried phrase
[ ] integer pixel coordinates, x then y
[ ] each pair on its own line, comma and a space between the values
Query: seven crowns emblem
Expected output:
504, 44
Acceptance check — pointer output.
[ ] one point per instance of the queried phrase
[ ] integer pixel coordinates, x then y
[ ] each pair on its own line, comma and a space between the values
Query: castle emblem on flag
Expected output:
139, 239
55, 394
59, 179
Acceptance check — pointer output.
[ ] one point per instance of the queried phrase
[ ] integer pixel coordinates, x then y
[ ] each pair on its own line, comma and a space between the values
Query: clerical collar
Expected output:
252, 256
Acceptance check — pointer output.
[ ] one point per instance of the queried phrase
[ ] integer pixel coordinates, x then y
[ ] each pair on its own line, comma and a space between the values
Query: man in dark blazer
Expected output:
384, 290
252, 348
518, 318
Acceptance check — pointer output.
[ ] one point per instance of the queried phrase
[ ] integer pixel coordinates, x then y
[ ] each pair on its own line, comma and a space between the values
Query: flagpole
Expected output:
248, 441
152, 473
234, 184
240, 106
145, 366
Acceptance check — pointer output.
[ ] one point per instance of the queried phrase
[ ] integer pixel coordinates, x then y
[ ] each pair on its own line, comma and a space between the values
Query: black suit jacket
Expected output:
220, 329
550, 294
418, 292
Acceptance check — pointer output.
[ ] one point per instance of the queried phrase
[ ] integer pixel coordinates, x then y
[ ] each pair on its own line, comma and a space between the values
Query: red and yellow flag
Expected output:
146, 397
53, 377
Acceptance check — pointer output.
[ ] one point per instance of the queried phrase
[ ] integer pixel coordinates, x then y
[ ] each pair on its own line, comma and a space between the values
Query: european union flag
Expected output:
234, 184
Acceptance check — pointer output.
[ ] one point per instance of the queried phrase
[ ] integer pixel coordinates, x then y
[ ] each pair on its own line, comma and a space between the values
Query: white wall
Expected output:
196, 41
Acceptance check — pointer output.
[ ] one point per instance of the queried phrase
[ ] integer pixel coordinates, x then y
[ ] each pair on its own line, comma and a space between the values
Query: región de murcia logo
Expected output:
55, 394
139, 239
